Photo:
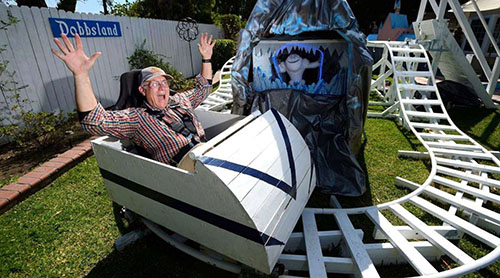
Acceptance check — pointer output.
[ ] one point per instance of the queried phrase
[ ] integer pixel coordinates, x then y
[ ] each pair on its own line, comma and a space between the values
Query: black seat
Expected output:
129, 92
130, 97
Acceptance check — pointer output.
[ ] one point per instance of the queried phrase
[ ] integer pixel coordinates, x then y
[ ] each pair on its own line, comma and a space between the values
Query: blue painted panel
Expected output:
398, 21
84, 28
372, 37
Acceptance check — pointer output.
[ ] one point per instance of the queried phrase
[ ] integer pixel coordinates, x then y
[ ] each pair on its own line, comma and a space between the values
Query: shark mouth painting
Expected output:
294, 59
313, 67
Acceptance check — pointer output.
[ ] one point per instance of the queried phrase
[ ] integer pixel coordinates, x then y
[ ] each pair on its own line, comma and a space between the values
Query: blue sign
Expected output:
84, 28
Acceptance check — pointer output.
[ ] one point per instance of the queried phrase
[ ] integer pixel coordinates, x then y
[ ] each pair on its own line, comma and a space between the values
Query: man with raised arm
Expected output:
166, 126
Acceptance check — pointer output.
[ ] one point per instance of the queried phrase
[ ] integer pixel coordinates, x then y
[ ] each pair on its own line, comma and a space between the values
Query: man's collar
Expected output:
171, 104
150, 107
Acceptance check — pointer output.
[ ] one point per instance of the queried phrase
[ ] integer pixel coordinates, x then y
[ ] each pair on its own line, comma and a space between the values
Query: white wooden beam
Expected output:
442, 9
421, 10
434, 6
486, 27
315, 262
409, 233
381, 254
492, 84
357, 250
467, 165
462, 204
469, 177
457, 222
438, 240
469, 34
414, 258
467, 189
327, 239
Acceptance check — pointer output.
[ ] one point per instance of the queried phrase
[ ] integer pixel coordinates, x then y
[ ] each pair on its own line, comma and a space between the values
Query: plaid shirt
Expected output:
147, 131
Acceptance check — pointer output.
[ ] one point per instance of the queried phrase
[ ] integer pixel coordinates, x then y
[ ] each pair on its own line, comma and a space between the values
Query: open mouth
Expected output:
292, 52
293, 59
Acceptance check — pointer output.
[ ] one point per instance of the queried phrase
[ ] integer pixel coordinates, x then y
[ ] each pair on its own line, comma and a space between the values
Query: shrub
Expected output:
42, 128
143, 58
231, 25
223, 51
27, 126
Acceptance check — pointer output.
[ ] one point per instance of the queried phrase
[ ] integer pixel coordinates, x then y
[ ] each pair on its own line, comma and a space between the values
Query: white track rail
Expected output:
223, 96
461, 193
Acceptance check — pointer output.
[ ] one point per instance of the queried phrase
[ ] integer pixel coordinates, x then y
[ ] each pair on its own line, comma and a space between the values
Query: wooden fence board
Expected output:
66, 77
54, 64
7, 40
6, 55
104, 69
21, 48
51, 101
27, 50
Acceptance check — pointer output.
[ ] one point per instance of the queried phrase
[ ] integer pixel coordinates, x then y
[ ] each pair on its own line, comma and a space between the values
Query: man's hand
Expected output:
75, 59
206, 46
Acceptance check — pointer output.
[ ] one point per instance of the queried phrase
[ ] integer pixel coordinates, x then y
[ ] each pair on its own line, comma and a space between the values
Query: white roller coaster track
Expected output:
223, 96
459, 165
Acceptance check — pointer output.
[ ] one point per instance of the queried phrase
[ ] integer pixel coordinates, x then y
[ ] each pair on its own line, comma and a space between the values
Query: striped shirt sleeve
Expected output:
199, 92
120, 124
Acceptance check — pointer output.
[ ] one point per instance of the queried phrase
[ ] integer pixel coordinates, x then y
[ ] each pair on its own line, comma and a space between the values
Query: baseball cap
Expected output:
150, 72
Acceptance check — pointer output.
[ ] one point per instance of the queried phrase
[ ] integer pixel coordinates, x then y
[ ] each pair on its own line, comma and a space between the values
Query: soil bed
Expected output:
16, 161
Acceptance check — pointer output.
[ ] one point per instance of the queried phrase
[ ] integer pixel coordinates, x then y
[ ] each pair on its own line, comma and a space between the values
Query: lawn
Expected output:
68, 228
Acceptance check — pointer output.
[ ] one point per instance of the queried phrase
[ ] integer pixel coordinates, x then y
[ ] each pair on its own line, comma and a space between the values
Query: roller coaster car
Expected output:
242, 194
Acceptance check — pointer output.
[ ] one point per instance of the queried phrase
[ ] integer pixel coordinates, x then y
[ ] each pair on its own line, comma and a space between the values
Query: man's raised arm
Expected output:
79, 64
205, 47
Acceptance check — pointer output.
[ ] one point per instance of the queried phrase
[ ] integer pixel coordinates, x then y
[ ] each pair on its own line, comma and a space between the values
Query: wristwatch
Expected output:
206, 60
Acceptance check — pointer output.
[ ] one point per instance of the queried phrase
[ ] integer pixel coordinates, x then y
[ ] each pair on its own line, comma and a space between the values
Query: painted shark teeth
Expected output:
303, 47
335, 87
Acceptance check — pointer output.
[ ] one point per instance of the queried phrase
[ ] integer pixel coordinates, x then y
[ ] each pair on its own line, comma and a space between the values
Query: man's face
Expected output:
157, 96
293, 62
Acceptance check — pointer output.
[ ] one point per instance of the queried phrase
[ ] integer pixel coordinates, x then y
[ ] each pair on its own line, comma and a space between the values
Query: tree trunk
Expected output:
105, 6
67, 5
32, 3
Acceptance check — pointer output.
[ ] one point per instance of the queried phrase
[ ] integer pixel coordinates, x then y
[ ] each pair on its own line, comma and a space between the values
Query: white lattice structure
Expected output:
447, 56
223, 96
459, 165
382, 85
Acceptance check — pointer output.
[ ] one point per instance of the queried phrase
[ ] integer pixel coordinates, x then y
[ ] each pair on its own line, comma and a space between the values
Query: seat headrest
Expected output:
129, 91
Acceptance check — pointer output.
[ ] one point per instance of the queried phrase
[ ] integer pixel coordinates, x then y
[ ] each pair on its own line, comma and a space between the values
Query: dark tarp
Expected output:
331, 125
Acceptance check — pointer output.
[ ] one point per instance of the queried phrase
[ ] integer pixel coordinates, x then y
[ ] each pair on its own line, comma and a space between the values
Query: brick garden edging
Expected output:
43, 175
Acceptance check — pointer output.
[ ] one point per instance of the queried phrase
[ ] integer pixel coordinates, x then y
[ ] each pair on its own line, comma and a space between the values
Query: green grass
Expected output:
68, 228
8, 180
482, 125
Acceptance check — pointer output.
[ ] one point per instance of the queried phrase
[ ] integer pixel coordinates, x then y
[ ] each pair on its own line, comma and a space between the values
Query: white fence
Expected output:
50, 85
